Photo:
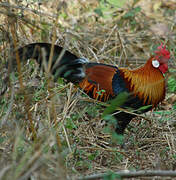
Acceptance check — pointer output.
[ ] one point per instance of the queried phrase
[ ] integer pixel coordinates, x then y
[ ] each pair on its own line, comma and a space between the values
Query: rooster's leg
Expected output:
123, 119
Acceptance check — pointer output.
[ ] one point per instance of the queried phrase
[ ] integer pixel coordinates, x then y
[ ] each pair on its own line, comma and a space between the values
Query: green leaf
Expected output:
70, 124
132, 13
174, 106
60, 81
144, 107
115, 103
100, 92
163, 112
137, 9
111, 176
106, 7
117, 138
135, 2
117, 3
172, 84
99, 12
2, 139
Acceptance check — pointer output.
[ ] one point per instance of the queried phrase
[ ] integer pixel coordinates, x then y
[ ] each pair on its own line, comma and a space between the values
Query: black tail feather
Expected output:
64, 63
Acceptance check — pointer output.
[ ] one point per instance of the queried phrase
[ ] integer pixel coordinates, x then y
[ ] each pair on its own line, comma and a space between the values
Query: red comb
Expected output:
162, 51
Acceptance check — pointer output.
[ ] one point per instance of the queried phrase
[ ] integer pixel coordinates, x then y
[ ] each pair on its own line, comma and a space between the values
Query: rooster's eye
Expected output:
155, 63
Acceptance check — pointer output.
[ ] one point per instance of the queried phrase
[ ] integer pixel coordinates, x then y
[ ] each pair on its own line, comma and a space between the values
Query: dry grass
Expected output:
70, 138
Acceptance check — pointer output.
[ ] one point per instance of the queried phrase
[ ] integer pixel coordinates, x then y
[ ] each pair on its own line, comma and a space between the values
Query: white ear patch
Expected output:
155, 63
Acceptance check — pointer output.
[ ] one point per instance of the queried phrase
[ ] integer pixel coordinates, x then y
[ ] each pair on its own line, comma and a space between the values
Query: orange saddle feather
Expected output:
98, 81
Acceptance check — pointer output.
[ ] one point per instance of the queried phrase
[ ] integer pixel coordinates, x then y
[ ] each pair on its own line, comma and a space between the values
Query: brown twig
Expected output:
130, 174
26, 99
123, 49
7, 5
52, 109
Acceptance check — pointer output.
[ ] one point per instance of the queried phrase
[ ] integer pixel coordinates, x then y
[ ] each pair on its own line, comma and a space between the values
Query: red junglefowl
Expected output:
145, 85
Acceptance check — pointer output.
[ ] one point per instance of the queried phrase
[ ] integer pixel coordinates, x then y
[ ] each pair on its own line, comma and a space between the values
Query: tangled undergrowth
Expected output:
54, 131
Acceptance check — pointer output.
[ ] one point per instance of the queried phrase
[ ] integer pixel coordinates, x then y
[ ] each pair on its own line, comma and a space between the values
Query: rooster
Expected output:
145, 85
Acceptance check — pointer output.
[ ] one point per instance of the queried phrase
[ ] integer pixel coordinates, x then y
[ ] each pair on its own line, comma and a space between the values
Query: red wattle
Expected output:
163, 68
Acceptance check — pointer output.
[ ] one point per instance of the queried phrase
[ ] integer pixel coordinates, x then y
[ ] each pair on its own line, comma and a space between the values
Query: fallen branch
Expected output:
130, 174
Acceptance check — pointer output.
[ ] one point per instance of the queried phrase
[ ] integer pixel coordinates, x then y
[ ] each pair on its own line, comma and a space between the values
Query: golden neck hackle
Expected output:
146, 82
